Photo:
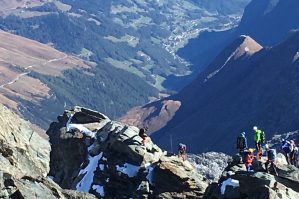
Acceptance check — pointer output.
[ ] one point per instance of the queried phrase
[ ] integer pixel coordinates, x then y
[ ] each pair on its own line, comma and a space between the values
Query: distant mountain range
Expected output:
141, 37
267, 21
245, 85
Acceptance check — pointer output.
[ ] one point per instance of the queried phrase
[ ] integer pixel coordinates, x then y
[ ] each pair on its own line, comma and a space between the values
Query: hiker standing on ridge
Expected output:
271, 159
143, 135
287, 148
249, 159
259, 138
292, 154
182, 151
242, 145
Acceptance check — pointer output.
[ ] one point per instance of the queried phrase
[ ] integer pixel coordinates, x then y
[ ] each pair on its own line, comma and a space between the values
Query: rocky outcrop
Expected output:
237, 183
93, 154
24, 162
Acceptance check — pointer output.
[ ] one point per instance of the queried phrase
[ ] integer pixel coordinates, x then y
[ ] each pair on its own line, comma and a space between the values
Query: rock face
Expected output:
23, 151
24, 164
93, 154
237, 183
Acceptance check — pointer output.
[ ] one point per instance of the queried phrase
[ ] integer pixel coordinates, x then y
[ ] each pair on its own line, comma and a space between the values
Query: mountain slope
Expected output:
267, 21
235, 93
154, 115
37, 81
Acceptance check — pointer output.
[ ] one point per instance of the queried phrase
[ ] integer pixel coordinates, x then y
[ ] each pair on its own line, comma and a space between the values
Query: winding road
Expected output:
31, 66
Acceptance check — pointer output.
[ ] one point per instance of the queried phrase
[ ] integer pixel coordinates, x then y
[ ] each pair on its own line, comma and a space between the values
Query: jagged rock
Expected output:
93, 154
210, 164
258, 184
22, 151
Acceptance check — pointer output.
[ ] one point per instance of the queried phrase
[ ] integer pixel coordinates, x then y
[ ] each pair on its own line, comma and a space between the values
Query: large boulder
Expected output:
93, 154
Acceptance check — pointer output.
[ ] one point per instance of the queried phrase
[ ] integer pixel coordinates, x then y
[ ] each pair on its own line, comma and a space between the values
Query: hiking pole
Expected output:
171, 149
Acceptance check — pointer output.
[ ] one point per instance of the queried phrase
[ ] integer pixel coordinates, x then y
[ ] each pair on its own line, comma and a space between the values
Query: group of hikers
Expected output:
289, 149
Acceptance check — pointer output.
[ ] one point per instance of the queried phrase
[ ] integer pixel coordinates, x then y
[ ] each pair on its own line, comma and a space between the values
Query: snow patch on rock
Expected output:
86, 182
99, 189
229, 182
80, 127
128, 169
150, 174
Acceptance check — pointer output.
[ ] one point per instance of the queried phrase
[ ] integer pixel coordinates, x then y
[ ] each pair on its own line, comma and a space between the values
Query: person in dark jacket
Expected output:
271, 159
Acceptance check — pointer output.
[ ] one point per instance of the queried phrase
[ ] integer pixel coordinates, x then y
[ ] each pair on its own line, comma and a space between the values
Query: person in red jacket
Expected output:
249, 159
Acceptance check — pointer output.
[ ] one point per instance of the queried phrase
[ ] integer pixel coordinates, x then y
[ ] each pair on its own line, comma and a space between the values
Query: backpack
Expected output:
272, 154
287, 147
263, 137
240, 142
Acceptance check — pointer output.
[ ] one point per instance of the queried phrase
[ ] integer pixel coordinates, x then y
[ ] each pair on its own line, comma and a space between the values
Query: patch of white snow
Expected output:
129, 169
149, 176
101, 167
85, 184
68, 123
229, 182
99, 189
82, 129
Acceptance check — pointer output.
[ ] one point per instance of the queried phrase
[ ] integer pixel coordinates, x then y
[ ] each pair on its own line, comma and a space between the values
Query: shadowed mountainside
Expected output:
244, 86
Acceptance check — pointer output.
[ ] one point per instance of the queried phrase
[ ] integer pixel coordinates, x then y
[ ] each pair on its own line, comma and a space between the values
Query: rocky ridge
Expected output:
235, 182
93, 154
